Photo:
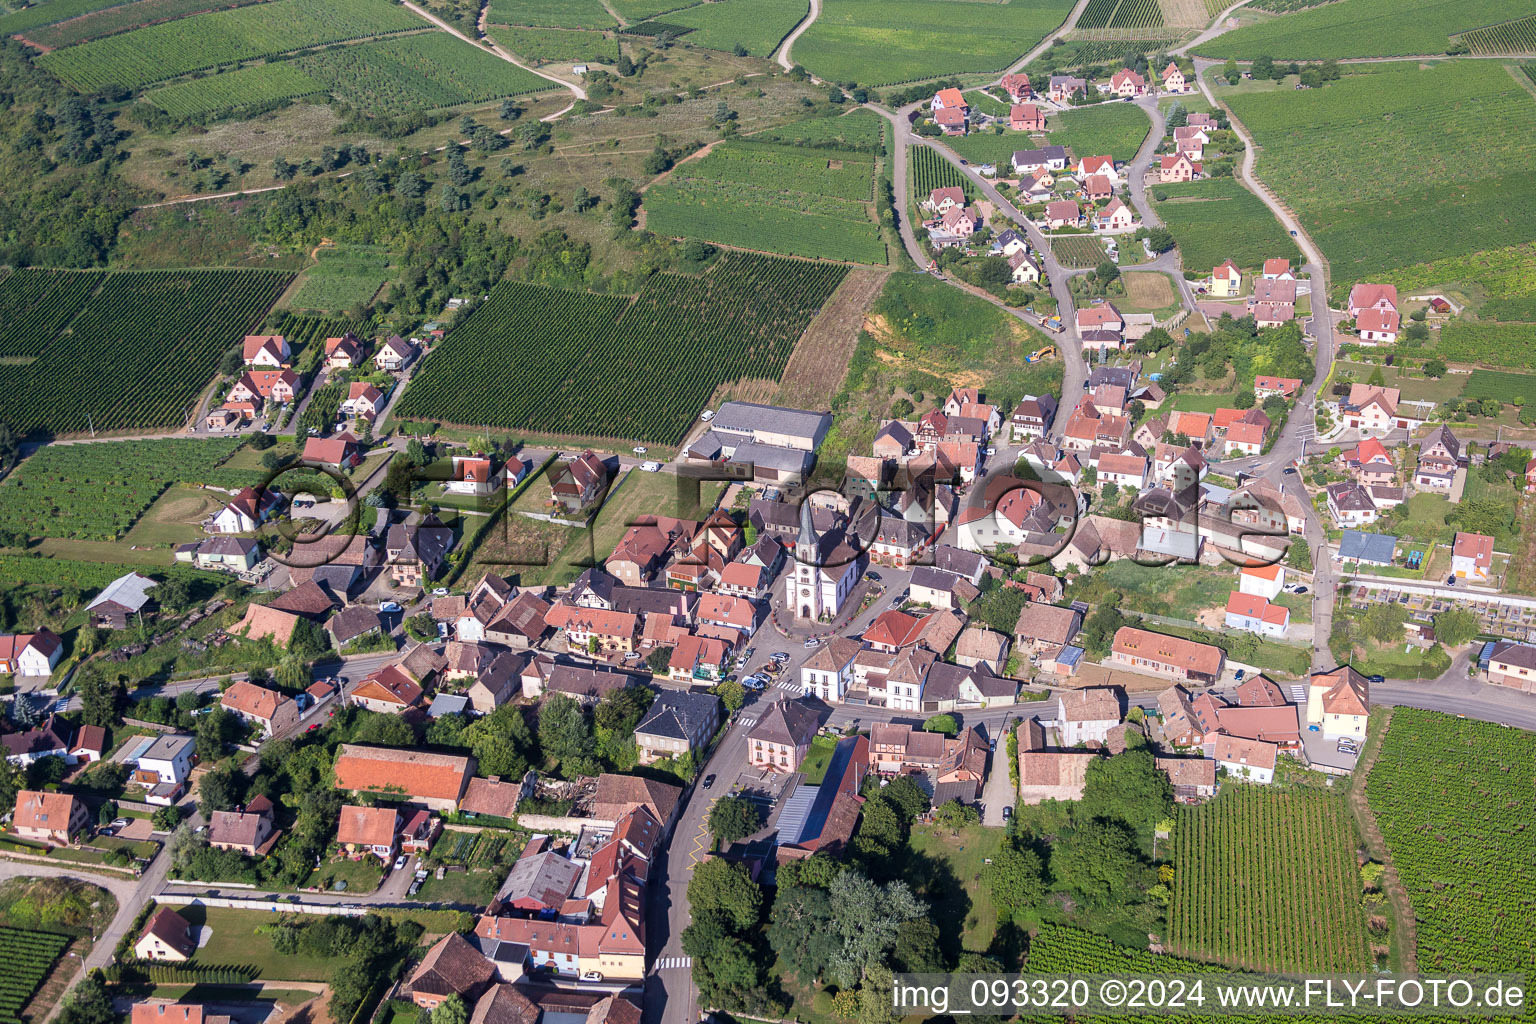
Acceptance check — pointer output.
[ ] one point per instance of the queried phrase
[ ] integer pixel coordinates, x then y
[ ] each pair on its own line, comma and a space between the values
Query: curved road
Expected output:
782, 56
581, 93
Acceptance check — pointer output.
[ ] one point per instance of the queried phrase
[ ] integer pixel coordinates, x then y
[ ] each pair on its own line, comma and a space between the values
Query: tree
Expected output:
733, 818
1106, 272
219, 790
1016, 878
1098, 863
166, 818
732, 694
1128, 787
945, 724
1384, 622
1243, 400
726, 887
89, 1003
954, 815
1456, 626
801, 930
501, 742
564, 735
1298, 555
1434, 368
451, 1011
868, 917
906, 796
917, 946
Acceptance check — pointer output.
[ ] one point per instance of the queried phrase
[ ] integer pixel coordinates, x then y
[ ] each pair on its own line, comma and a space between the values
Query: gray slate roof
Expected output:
677, 714
1368, 547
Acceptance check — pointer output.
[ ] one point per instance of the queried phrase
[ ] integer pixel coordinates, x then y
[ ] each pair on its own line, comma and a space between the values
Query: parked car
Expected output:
439, 591
415, 888
639, 449
747, 654
1450, 581
707, 415
1375, 679
1238, 677
1300, 588
709, 780
779, 656
120, 823
592, 976
814, 641
106, 831
873, 575
400, 862
388, 606
650, 467
1007, 812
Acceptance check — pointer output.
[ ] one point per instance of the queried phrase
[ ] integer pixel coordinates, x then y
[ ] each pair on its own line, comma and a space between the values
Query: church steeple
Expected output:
807, 547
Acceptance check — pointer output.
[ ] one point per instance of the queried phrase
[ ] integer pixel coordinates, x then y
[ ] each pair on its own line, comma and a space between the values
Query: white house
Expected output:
169, 758
1266, 581
1254, 614
1087, 715
30, 654
1338, 703
828, 673
1244, 759
1472, 556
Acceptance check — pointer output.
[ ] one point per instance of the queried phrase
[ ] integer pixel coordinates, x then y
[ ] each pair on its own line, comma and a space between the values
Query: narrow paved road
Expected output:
782, 56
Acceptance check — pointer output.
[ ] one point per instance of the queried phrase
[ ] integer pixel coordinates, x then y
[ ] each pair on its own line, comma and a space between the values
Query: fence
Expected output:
271, 906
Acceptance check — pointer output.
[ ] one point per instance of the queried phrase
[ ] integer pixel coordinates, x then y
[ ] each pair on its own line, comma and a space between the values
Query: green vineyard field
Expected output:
1512, 37
231, 90
1363, 28
35, 305
542, 360
758, 26
1409, 196
139, 353
98, 491
861, 131
158, 52
1121, 14
931, 171
560, 44
1078, 250
783, 199
49, 12
1452, 797
550, 13
1506, 387
1217, 220
122, 19
26, 957
1265, 880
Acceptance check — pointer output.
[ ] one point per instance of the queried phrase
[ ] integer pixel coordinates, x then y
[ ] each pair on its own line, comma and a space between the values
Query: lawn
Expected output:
1363, 28
1147, 293
361, 876
235, 940
1113, 129
947, 873
924, 337
1217, 220
817, 758
474, 888
1410, 196
1413, 388
1499, 284
1177, 591
881, 42
1190, 402
175, 517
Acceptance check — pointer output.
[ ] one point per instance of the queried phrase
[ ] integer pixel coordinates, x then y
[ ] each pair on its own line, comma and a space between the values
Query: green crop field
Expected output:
232, 90
783, 199
1363, 28
26, 957
1453, 799
550, 13
1078, 250
930, 171
340, 283
1512, 37
1506, 387
1484, 341
862, 131
1217, 220
139, 353
159, 52
35, 304
1105, 129
98, 491
542, 360
49, 12
1265, 880
1121, 14
881, 42
1506, 276
558, 44
419, 72
1410, 195
121, 19
758, 25
641, 10
1107, 51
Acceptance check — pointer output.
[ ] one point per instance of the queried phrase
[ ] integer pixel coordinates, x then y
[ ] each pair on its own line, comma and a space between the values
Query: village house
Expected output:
679, 721
1116, 216
1032, 417
1254, 614
472, 475
1087, 715
1190, 142
1026, 117
1173, 79
782, 737
940, 200
613, 630
339, 452
226, 554
1380, 297
245, 511
1440, 456
363, 831
1226, 280
951, 120
1514, 665
1245, 759
1244, 439
30, 654
1177, 168
1369, 463
246, 830
255, 388
1338, 703
947, 99
363, 401
1045, 625
1377, 326
164, 767
1284, 387
1017, 86
166, 936
1141, 650
1371, 409
1102, 316
960, 221
454, 967
1126, 83
50, 739
1023, 268
343, 353
1278, 270
395, 354
1350, 504
1063, 214
417, 549
1098, 166
267, 709
1266, 581
1472, 557
388, 690
269, 350
53, 818
828, 673
1063, 88
576, 484
434, 780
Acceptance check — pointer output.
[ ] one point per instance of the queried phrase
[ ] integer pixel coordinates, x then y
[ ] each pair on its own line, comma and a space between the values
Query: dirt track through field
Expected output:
820, 360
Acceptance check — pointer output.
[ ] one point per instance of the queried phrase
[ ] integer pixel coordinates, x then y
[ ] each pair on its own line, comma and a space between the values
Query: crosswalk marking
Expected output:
1298, 694
669, 962
746, 721
787, 687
